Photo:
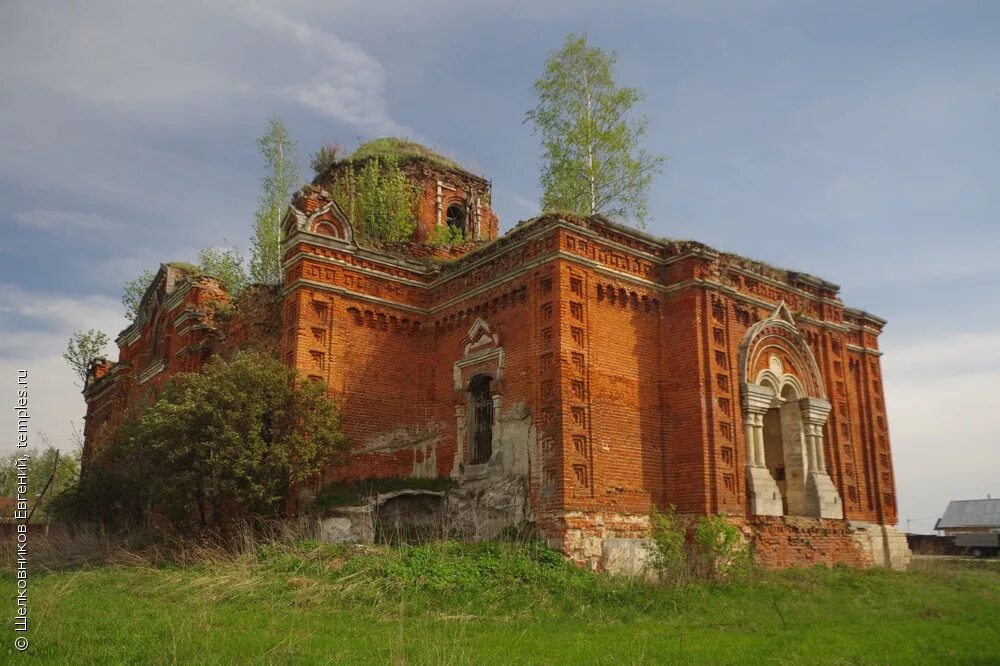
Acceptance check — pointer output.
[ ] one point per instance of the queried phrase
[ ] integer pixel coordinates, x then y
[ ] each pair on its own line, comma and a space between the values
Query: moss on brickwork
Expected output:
184, 266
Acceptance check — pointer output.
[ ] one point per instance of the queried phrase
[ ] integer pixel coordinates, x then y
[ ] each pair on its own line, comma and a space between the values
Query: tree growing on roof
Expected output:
132, 292
326, 157
281, 177
82, 348
226, 265
223, 263
591, 156
378, 198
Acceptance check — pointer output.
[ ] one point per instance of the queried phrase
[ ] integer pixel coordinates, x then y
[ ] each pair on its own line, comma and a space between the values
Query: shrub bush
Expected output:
378, 198
446, 234
668, 550
230, 443
715, 551
721, 550
327, 156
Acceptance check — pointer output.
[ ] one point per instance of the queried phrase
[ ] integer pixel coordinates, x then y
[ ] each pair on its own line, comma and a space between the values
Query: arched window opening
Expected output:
481, 402
455, 217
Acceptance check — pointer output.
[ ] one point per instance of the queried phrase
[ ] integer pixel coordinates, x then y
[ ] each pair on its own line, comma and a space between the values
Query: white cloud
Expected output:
52, 313
957, 354
941, 403
98, 55
115, 77
350, 87
60, 220
35, 328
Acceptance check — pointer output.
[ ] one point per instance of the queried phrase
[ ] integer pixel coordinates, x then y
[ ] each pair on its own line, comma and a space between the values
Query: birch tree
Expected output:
592, 162
281, 176
82, 348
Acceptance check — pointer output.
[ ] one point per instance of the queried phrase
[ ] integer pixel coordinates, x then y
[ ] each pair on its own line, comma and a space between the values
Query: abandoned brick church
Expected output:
586, 370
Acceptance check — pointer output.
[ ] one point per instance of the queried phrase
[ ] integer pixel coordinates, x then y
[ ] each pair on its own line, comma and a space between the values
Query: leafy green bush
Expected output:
42, 464
721, 550
668, 551
226, 265
445, 234
378, 198
112, 488
716, 551
230, 443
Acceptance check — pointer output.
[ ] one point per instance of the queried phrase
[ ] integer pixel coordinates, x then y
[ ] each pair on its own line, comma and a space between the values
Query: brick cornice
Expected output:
865, 318
441, 277
863, 350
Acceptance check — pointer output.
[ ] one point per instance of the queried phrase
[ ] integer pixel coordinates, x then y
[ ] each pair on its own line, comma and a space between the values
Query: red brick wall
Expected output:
687, 470
623, 350
621, 339
788, 541
636, 390
188, 318
457, 188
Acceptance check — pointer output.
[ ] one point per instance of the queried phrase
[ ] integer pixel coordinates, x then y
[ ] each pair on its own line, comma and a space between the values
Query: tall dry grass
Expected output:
91, 545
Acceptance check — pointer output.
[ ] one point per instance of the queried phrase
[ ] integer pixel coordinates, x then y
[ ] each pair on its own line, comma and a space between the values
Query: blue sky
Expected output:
854, 141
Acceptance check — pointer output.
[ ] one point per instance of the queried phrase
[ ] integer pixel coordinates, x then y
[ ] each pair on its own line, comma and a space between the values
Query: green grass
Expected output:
491, 603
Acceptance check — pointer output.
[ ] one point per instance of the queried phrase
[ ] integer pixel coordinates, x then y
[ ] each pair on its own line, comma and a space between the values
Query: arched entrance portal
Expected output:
784, 411
783, 422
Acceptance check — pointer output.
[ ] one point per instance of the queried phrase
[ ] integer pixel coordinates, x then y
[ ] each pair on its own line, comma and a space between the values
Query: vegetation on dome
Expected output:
378, 198
403, 151
184, 266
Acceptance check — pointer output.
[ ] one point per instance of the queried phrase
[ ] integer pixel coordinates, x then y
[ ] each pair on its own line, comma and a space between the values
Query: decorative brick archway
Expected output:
784, 411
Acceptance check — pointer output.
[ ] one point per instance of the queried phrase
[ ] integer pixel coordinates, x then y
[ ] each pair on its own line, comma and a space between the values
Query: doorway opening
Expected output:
784, 450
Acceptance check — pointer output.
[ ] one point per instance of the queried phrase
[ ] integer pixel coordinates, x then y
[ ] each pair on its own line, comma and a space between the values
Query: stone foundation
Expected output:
349, 524
612, 542
619, 543
472, 511
886, 545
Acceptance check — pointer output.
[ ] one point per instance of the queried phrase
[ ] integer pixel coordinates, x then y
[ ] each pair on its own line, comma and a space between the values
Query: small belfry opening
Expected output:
456, 217
481, 432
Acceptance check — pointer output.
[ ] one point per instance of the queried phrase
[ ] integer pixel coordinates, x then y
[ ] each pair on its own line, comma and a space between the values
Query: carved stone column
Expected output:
751, 426
765, 498
814, 414
460, 421
495, 429
822, 497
